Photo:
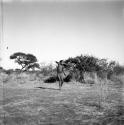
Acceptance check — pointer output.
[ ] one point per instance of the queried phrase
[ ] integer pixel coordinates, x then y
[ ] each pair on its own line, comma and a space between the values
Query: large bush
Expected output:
85, 63
82, 64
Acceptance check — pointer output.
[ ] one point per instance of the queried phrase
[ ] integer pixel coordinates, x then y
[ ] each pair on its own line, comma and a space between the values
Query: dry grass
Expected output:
29, 101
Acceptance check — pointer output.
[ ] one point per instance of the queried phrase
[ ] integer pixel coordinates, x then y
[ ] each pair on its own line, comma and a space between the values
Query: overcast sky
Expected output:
58, 29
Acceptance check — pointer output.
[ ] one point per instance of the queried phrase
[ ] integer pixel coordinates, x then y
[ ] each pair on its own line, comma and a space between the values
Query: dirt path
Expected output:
75, 104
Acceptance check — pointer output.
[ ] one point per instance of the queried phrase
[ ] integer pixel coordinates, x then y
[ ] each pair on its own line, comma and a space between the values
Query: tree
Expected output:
83, 64
33, 66
26, 61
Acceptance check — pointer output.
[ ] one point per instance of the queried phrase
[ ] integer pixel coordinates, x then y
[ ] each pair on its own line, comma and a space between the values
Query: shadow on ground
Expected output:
47, 88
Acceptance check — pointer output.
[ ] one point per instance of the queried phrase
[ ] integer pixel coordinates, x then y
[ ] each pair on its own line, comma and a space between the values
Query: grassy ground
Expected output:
75, 104
29, 101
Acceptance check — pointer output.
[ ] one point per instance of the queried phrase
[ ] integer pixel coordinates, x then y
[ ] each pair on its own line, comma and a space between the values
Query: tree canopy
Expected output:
26, 61
86, 63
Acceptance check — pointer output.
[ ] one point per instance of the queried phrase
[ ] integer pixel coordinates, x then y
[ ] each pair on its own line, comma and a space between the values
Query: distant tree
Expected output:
31, 58
33, 66
47, 69
26, 61
19, 58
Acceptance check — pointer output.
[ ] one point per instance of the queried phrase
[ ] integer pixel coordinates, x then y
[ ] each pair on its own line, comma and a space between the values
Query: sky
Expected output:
57, 29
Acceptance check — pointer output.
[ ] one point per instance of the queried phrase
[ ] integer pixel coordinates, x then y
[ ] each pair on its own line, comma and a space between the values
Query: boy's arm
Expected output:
63, 71
57, 71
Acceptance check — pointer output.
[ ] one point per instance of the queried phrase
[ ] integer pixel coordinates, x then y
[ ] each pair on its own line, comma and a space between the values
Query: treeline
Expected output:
78, 65
87, 63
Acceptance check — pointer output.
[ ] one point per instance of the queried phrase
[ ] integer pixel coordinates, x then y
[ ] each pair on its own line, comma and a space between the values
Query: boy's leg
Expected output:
62, 81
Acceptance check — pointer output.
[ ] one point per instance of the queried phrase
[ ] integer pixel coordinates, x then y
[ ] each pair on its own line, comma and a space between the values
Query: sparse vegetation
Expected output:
29, 100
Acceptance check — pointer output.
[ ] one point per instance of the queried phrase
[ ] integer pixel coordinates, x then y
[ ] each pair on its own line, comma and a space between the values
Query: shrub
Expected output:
47, 70
103, 74
68, 78
9, 71
1, 69
118, 69
51, 79
110, 73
